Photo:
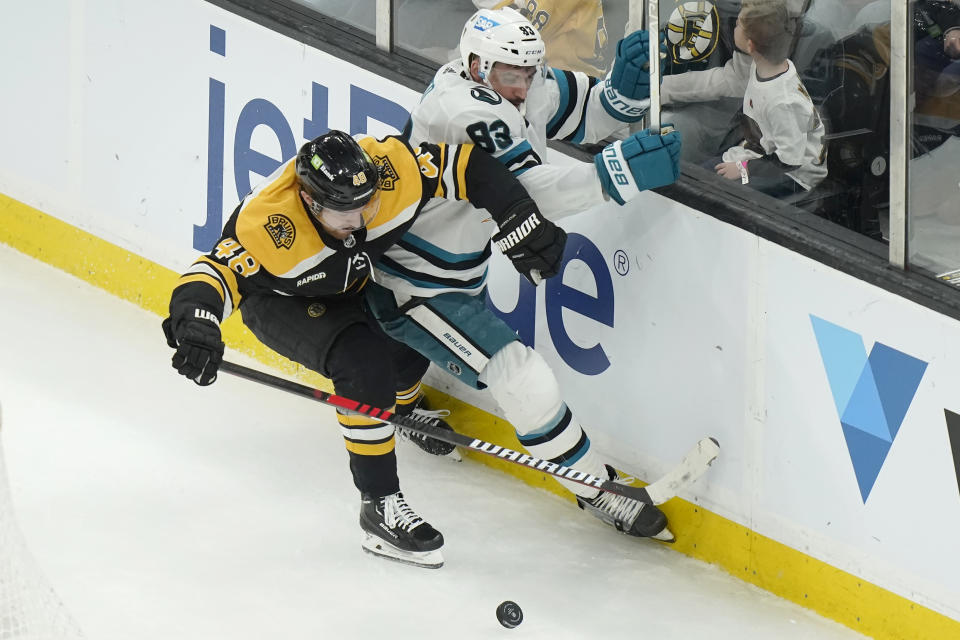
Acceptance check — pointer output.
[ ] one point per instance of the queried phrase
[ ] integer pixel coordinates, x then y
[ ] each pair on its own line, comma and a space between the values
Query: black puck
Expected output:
509, 614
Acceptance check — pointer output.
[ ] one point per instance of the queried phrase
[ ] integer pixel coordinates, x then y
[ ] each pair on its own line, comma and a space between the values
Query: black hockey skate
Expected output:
431, 445
628, 516
390, 528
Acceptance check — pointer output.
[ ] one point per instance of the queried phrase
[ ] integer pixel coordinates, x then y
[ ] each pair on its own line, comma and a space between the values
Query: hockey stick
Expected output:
693, 465
653, 30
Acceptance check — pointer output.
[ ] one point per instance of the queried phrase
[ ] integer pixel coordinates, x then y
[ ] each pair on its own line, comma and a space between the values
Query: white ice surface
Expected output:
159, 509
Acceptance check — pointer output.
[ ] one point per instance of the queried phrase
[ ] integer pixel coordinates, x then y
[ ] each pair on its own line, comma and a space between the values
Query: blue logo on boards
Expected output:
591, 360
872, 394
226, 137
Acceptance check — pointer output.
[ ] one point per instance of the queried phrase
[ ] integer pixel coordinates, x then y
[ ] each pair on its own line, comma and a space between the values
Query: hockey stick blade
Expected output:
692, 467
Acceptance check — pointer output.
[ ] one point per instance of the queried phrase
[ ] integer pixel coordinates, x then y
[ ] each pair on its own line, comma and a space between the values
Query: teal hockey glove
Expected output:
643, 161
630, 76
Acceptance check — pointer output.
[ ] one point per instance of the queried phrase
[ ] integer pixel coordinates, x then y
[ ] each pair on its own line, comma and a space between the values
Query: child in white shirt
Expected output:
779, 146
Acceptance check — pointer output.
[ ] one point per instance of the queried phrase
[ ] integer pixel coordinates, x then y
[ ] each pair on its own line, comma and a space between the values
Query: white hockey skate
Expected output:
626, 515
390, 528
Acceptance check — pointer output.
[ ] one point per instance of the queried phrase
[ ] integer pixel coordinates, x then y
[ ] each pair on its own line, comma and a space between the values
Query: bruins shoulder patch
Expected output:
388, 175
281, 230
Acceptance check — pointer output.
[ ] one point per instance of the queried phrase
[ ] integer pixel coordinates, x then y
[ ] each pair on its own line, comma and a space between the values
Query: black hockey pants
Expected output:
337, 339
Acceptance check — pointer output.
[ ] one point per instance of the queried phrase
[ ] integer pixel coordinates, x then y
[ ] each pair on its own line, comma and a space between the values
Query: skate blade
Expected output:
665, 535
378, 547
453, 455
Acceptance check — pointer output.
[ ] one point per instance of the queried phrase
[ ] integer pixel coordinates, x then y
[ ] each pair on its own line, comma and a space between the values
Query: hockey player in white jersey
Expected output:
499, 96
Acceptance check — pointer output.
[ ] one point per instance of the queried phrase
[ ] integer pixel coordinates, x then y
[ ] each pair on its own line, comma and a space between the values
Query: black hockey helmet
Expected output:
336, 172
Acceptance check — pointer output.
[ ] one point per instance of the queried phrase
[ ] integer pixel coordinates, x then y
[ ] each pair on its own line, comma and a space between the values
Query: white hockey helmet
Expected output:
500, 35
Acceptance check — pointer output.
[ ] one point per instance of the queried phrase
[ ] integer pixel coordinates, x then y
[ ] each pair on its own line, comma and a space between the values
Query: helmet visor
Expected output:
507, 75
351, 219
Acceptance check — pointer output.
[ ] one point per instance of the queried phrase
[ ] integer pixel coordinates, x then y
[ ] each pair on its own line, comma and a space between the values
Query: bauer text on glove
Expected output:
644, 160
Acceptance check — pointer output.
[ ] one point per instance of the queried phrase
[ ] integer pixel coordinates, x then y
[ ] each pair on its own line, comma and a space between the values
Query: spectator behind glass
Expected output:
705, 96
936, 72
777, 144
574, 31
936, 31
951, 43
781, 151
935, 152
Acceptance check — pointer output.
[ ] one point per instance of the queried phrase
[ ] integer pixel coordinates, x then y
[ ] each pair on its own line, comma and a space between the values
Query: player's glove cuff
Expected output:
642, 161
622, 108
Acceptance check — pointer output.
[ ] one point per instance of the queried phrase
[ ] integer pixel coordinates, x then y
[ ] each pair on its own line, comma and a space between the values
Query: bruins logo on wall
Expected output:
281, 230
388, 175
692, 31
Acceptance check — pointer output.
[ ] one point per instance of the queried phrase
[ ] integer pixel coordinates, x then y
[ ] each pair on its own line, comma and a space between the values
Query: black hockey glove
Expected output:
199, 347
533, 243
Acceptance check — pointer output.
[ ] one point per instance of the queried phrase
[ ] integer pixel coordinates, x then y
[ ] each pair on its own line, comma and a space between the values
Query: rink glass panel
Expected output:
934, 123
841, 49
356, 13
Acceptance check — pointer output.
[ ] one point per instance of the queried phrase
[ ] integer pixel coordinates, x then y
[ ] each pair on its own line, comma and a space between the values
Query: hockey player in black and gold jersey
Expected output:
295, 255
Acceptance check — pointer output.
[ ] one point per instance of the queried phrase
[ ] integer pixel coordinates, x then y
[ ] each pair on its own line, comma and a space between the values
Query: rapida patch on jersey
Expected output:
312, 278
281, 230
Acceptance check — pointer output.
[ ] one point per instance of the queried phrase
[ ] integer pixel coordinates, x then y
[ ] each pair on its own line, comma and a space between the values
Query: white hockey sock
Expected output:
590, 463
525, 388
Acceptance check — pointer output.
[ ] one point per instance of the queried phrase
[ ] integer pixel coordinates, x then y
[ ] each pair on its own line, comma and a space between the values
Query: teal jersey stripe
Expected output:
434, 250
426, 284
561, 79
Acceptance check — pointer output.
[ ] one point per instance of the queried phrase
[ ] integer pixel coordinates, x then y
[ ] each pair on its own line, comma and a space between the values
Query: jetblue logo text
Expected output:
591, 360
251, 166
257, 113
